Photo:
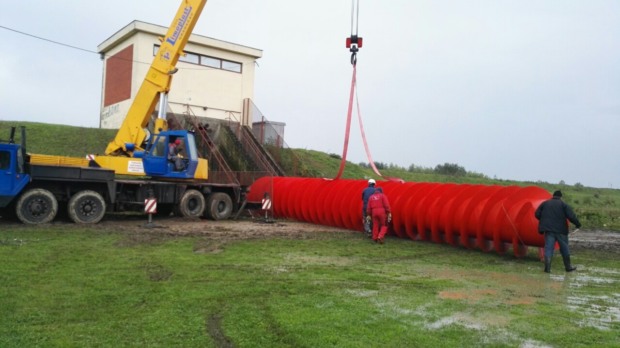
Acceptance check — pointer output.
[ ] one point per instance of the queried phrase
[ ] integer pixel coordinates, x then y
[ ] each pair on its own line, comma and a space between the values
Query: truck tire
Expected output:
219, 206
86, 207
192, 204
36, 206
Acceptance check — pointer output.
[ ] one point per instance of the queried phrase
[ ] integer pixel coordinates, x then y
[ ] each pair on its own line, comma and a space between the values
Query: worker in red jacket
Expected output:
379, 209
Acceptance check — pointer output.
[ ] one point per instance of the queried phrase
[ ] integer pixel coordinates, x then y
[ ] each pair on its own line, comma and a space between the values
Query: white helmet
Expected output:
371, 182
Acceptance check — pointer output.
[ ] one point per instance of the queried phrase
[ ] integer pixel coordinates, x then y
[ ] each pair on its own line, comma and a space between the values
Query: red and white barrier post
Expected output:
150, 207
266, 205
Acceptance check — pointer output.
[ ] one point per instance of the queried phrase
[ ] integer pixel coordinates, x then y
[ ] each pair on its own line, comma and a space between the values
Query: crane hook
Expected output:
354, 43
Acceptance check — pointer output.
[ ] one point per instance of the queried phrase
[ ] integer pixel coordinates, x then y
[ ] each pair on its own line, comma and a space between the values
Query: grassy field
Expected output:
71, 286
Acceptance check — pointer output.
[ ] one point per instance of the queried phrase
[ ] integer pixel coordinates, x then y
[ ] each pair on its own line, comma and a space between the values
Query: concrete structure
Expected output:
215, 78
269, 132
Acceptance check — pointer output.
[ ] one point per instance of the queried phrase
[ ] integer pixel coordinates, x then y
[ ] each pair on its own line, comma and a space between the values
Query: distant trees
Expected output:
452, 169
379, 165
415, 168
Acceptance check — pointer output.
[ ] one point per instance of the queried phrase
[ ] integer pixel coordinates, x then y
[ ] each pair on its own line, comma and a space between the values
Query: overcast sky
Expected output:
523, 89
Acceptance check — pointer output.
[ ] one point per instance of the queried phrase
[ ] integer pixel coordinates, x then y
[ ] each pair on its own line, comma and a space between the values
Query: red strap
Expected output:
368, 155
343, 161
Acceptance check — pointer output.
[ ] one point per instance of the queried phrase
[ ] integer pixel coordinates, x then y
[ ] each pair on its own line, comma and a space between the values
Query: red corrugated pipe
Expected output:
487, 217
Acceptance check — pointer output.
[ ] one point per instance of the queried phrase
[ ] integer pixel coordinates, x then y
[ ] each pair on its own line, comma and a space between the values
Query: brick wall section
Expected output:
118, 77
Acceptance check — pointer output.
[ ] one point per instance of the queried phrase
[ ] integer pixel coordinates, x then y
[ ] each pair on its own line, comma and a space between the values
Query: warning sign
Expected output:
150, 206
135, 167
266, 203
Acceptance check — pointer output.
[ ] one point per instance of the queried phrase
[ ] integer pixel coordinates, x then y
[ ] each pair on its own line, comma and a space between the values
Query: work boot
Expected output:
547, 264
368, 228
567, 265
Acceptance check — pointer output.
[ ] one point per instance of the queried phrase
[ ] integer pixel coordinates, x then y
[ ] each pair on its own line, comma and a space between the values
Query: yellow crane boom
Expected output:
157, 81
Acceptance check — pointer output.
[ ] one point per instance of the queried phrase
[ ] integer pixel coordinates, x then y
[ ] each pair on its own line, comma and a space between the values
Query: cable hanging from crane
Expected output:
354, 43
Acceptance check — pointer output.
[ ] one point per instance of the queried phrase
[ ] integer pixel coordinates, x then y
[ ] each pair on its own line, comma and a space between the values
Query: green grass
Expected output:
61, 140
597, 208
74, 286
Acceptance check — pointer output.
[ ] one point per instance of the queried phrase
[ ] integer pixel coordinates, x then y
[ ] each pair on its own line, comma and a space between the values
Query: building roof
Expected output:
138, 26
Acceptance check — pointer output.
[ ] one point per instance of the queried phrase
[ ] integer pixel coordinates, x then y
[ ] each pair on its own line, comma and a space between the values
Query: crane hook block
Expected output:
354, 42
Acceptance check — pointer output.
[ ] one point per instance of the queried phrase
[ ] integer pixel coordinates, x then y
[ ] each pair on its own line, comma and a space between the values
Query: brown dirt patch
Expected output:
596, 239
217, 233
221, 232
470, 295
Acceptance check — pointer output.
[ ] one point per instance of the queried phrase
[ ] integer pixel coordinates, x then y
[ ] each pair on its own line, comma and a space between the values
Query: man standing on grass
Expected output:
379, 210
552, 218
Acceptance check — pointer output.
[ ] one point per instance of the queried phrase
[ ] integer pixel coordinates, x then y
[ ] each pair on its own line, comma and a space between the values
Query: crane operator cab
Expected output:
171, 154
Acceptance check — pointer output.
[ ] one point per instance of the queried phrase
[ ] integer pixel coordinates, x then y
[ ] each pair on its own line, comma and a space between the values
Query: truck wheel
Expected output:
192, 204
219, 206
36, 206
86, 207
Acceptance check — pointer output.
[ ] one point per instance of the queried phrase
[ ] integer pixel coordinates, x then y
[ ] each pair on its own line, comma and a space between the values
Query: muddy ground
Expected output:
600, 240
247, 228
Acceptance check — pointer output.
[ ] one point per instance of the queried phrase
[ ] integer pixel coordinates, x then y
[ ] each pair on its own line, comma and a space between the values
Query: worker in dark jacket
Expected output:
552, 218
368, 191
379, 209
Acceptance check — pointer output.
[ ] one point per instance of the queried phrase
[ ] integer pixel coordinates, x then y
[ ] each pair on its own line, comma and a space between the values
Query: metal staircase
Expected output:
233, 152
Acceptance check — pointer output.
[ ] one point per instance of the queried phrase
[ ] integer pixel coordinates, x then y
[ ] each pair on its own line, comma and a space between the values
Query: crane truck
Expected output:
135, 165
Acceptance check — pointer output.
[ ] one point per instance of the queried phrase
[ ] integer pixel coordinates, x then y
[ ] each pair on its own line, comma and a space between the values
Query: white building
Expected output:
215, 78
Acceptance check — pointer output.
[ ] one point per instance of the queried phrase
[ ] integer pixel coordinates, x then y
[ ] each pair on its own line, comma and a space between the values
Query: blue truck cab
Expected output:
13, 176
158, 158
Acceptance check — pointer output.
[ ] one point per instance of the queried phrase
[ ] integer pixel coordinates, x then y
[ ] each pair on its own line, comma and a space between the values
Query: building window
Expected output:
231, 66
190, 58
212, 62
